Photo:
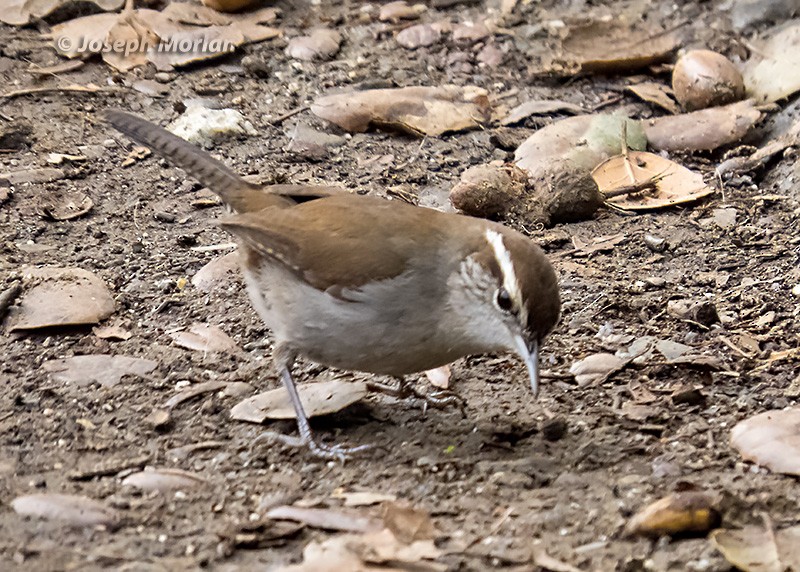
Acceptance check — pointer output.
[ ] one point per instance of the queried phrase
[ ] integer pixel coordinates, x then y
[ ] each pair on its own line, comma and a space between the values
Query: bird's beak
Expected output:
529, 352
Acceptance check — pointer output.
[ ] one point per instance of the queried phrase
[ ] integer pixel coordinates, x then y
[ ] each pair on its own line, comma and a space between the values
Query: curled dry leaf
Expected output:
162, 480
419, 36
62, 297
205, 338
703, 130
756, 549
638, 180
105, 369
613, 46
320, 44
655, 93
685, 512
112, 333
76, 510
22, 12
408, 523
418, 110
539, 107
596, 368
317, 399
770, 439
400, 10
324, 518
64, 206
772, 71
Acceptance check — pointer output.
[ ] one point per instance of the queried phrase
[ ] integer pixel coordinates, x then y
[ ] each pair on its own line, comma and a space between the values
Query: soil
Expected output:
571, 467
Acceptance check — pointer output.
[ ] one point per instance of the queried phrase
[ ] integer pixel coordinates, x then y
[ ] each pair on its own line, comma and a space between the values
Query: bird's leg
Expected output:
405, 389
284, 362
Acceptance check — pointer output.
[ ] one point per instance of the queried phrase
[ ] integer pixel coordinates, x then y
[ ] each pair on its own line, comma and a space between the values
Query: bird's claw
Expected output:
319, 450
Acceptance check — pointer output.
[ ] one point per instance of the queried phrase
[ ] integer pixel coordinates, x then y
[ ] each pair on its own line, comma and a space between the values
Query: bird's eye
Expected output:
504, 301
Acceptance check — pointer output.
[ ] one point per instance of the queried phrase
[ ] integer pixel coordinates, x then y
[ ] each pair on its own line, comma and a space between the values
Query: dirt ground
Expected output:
572, 466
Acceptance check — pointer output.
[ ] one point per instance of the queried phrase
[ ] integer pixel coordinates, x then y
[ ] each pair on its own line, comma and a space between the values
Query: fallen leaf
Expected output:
638, 180
685, 512
439, 377
770, 439
362, 498
657, 94
43, 175
407, 523
400, 10
324, 518
21, 12
162, 480
193, 391
703, 130
582, 142
597, 244
419, 36
596, 368
111, 333
320, 44
57, 68
64, 205
418, 110
76, 510
204, 338
539, 107
317, 399
609, 46
62, 297
772, 73
470, 32
756, 549
105, 369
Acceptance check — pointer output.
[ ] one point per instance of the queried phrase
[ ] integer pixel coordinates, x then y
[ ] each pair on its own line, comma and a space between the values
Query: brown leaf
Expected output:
657, 94
205, 338
771, 439
418, 110
64, 206
21, 12
163, 479
324, 518
320, 44
76, 510
539, 107
771, 73
63, 297
703, 130
111, 333
408, 523
105, 369
83, 37
653, 182
596, 368
756, 549
686, 512
317, 398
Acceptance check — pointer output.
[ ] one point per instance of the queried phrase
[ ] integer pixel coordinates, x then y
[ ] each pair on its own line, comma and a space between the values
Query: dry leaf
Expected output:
163, 479
407, 523
64, 205
657, 94
439, 377
770, 439
614, 46
362, 498
400, 10
21, 12
539, 107
324, 518
217, 273
63, 297
755, 549
596, 368
773, 70
317, 399
76, 510
204, 338
581, 142
685, 512
648, 181
111, 333
320, 44
418, 110
105, 369
703, 130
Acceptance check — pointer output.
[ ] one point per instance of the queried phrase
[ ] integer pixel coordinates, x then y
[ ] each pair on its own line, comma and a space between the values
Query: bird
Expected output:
367, 284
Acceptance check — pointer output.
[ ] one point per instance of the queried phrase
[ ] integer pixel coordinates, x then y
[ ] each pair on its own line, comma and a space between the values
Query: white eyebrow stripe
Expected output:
510, 282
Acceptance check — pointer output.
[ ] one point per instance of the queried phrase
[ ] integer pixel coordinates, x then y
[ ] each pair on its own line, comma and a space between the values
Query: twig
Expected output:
52, 89
281, 118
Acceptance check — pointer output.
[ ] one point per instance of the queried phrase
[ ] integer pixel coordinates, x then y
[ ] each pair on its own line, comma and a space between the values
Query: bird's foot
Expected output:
440, 399
318, 450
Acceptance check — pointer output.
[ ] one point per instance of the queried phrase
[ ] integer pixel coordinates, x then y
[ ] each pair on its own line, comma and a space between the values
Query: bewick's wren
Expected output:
366, 284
